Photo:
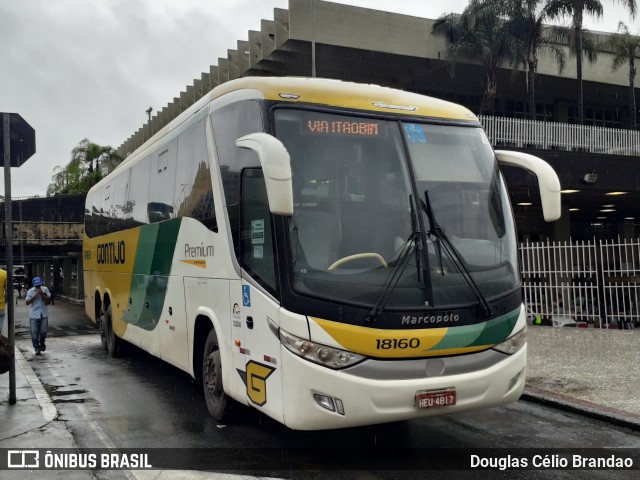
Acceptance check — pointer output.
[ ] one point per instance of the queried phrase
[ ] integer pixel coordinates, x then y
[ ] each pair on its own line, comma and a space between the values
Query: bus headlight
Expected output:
321, 354
514, 343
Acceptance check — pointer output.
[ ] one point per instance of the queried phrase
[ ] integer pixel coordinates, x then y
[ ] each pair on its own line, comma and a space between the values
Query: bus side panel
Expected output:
173, 325
113, 285
89, 295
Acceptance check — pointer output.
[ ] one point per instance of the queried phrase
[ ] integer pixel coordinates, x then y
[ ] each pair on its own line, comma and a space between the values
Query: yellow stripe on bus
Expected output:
376, 342
339, 93
109, 257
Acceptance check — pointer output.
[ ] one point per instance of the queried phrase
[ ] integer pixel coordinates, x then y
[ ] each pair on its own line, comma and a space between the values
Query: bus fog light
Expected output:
514, 380
325, 402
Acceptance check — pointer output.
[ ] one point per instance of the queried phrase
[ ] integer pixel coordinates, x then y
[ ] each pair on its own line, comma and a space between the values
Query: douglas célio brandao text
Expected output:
551, 461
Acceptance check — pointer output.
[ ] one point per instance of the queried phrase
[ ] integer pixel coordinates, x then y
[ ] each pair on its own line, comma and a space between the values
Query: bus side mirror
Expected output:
276, 167
548, 181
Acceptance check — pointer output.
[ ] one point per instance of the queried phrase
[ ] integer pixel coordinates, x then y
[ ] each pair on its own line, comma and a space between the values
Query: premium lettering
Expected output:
198, 251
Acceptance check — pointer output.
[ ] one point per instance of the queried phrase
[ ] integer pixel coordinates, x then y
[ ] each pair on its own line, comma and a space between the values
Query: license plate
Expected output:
436, 398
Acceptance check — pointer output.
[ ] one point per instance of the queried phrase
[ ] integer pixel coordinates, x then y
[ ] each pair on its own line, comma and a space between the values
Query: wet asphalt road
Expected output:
137, 401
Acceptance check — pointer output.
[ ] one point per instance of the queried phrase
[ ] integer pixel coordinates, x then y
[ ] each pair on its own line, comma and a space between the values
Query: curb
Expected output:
582, 407
49, 411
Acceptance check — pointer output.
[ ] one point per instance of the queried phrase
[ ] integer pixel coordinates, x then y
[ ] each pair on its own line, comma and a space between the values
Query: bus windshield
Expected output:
360, 203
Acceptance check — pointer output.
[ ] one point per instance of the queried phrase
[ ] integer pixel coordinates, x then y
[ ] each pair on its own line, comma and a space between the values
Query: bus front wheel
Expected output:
216, 399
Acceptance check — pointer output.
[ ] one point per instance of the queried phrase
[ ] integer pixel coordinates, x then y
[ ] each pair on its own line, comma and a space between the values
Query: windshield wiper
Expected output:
398, 269
452, 252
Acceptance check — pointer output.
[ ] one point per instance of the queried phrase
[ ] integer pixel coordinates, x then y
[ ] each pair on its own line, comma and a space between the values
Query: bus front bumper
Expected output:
365, 401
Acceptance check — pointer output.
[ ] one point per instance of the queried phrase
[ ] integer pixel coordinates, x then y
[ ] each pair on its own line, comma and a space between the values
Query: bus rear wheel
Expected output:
217, 401
113, 342
101, 328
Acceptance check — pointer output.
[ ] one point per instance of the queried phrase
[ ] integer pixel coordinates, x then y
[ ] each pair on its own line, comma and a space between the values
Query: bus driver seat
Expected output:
317, 236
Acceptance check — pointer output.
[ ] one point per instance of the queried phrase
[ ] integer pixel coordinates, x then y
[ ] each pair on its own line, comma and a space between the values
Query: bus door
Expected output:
255, 298
260, 367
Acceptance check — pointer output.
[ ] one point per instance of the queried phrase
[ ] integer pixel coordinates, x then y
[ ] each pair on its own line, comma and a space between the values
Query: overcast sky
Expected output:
79, 69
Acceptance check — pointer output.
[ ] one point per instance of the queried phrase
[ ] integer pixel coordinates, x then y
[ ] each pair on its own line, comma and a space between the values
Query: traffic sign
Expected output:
23, 140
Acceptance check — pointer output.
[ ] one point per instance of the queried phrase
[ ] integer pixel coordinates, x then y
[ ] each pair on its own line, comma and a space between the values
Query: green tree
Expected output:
90, 154
83, 170
526, 21
578, 9
625, 48
481, 36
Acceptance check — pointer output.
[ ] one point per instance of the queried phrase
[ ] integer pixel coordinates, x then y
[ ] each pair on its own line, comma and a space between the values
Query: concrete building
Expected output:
47, 241
363, 45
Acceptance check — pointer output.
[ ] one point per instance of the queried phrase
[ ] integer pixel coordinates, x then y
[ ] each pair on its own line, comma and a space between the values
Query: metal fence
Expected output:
594, 282
520, 133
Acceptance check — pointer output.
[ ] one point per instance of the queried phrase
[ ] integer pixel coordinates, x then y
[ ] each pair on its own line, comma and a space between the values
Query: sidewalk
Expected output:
32, 422
588, 371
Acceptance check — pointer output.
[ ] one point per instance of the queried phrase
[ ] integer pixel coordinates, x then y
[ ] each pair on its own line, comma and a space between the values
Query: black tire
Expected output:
217, 401
113, 342
101, 329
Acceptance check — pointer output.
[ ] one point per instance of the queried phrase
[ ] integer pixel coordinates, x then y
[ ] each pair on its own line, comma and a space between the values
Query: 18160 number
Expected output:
397, 343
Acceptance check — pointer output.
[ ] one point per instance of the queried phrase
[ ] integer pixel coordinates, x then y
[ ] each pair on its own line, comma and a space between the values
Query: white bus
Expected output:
330, 253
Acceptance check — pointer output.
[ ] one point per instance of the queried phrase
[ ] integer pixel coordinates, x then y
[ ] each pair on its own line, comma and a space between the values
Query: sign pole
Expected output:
14, 129
8, 232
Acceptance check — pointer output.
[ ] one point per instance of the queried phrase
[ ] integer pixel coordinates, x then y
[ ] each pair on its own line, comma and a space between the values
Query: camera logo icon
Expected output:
23, 459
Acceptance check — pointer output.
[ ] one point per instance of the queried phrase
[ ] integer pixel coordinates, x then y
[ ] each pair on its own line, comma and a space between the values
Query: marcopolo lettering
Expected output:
445, 317
112, 253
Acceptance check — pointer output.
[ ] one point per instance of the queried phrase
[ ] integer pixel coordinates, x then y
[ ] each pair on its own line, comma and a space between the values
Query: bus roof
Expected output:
338, 93
321, 91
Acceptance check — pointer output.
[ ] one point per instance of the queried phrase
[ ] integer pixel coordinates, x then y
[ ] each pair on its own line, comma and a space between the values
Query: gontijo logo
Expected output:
111, 253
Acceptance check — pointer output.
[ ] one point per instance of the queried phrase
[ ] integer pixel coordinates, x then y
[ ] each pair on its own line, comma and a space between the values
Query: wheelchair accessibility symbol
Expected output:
246, 296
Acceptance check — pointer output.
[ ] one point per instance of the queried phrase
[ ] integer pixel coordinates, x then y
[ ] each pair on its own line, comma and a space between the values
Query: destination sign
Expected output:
342, 127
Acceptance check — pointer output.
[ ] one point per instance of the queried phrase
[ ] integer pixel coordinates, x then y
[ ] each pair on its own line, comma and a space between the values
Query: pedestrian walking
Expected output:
38, 298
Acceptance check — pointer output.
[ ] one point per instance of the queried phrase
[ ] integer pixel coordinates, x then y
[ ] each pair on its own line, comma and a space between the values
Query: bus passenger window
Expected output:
98, 220
193, 195
115, 207
256, 241
136, 205
161, 183
230, 123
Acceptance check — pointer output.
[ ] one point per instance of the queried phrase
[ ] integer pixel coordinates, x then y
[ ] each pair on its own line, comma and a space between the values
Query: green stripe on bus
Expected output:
151, 269
491, 332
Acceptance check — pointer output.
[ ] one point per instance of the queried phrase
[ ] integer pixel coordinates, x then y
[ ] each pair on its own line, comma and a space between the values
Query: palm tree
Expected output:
482, 37
90, 154
625, 48
82, 171
59, 181
577, 9
66, 179
526, 20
